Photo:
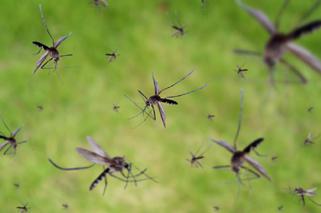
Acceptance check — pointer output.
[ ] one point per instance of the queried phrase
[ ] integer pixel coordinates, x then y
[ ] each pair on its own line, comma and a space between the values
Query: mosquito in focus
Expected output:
280, 43
305, 193
156, 99
112, 56
240, 71
51, 52
114, 165
196, 158
239, 157
24, 208
10, 141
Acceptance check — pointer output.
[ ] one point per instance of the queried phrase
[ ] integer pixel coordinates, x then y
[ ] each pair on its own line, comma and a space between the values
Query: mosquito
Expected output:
196, 158
280, 208
156, 99
103, 3
114, 165
240, 71
210, 117
310, 109
40, 108
239, 157
51, 52
111, 56
116, 108
306, 193
179, 31
280, 43
65, 205
310, 139
10, 141
24, 208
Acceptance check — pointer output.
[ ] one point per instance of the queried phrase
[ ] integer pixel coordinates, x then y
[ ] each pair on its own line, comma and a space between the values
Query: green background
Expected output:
80, 102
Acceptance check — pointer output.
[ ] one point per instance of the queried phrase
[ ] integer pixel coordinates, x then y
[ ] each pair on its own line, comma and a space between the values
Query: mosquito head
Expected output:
128, 166
269, 61
299, 190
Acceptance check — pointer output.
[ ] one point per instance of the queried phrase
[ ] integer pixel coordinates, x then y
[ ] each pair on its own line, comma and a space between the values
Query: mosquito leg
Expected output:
38, 51
43, 66
251, 171
3, 146
302, 199
105, 184
45, 24
69, 169
221, 167
279, 15
310, 11
5, 125
65, 55
21, 142
247, 52
5, 152
316, 203
189, 92
294, 70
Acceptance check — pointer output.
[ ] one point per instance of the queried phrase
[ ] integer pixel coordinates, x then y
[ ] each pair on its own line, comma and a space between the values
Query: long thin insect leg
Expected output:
247, 52
177, 82
240, 119
294, 70
105, 183
186, 93
154, 113
69, 169
221, 167
142, 94
310, 11
44, 23
5, 152
279, 15
21, 142
6, 126
4, 146
43, 66
251, 171
302, 199
65, 55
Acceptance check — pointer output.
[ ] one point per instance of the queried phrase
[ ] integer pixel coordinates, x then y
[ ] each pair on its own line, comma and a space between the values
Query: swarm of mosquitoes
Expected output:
119, 168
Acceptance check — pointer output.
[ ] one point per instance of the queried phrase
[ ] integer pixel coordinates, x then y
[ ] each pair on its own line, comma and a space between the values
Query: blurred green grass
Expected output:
80, 104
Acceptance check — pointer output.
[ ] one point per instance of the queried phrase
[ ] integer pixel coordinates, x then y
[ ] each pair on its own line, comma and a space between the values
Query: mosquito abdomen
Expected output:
98, 179
169, 101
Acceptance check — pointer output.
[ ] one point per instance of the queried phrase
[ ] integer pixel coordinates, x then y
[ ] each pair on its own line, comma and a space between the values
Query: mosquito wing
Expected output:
310, 192
225, 145
305, 56
60, 40
91, 156
257, 166
156, 87
162, 113
16, 132
40, 61
96, 148
2, 145
259, 16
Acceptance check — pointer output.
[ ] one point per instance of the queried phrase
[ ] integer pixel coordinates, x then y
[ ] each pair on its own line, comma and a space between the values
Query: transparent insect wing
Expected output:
225, 145
60, 40
2, 145
257, 166
156, 87
259, 16
162, 113
310, 192
92, 157
16, 132
96, 148
41, 60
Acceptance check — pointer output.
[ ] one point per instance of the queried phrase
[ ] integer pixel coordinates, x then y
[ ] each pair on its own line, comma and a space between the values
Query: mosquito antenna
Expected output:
69, 169
177, 82
279, 14
142, 94
44, 23
186, 93
240, 119
310, 11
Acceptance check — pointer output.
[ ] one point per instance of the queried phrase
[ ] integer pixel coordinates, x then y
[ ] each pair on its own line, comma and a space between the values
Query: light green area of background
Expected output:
80, 104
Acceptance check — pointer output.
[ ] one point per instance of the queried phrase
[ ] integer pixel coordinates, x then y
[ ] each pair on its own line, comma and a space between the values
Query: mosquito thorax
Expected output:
54, 53
237, 161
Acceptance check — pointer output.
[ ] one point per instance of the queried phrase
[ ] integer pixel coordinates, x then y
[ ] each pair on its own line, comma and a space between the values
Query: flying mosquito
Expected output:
310, 139
310, 109
51, 52
10, 141
103, 3
196, 158
179, 31
240, 71
116, 108
280, 43
114, 165
24, 208
65, 205
156, 99
210, 117
306, 193
239, 157
111, 56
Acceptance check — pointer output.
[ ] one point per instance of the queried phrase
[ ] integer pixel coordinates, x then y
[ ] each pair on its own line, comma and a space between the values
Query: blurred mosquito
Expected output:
216, 208
310, 139
280, 208
240, 71
17, 185
10, 141
116, 108
156, 99
24, 208
65, 205
51, 52
179, 31
310, 109
274, 158
197, 157
306, 193
40, 108
114, 165
280, 43
111, 56
103, 3
239, 157
210, 117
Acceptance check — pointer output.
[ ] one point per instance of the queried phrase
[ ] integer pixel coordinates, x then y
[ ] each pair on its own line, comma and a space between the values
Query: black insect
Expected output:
116, 108
112, 56
306, 193
10, 140
197, 157
210, 117
51, 52
24, 208
156, 99
280, 43
113, 164
179, 31
239, 157
240, 71
274, 158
